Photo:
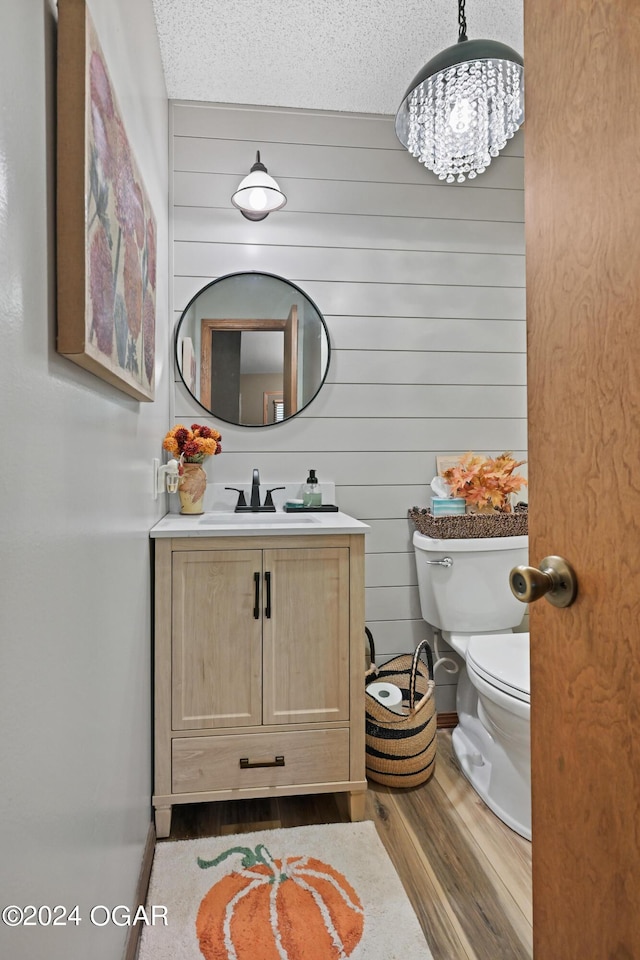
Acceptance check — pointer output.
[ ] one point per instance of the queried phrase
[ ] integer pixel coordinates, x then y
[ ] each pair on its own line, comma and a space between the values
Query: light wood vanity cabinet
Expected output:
259, 686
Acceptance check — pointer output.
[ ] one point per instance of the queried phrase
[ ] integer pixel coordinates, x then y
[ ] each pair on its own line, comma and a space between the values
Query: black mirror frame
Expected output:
252, 273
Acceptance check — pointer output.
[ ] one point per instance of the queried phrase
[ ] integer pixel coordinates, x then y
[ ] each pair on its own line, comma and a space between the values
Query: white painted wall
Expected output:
422, 288
75, 777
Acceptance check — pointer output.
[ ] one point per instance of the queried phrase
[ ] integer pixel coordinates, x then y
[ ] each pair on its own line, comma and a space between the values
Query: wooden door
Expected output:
306, 635
582, 195
217, 639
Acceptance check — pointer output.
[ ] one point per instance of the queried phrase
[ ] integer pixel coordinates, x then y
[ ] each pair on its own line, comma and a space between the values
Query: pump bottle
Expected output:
311, 495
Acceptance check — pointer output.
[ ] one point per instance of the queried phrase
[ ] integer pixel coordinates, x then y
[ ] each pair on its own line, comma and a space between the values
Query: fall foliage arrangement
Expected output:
486, 483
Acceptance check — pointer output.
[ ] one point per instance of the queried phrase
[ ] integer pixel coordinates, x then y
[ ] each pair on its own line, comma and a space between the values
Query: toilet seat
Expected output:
502, 661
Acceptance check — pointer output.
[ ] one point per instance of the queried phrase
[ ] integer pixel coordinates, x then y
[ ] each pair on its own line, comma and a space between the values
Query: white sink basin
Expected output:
258, 519
224, 523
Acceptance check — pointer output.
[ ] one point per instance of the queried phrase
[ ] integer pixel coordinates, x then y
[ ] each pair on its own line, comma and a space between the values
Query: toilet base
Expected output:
487, 767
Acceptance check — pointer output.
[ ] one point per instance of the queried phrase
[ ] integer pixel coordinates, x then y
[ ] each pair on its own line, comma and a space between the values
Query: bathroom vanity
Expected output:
258, 661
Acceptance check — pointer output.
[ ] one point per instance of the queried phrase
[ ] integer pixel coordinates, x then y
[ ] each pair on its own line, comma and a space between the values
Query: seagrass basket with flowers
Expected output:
488, 486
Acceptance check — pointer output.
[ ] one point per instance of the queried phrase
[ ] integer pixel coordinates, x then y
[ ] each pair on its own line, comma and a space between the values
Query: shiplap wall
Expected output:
422, 288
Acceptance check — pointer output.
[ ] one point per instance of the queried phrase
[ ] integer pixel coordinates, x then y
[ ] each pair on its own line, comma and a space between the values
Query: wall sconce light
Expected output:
258, 194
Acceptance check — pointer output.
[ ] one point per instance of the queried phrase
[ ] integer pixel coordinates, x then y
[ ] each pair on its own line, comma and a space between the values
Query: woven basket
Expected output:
471, 525
401, 748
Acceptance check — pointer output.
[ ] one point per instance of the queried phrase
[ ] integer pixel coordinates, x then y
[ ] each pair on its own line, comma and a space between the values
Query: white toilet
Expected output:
465, 593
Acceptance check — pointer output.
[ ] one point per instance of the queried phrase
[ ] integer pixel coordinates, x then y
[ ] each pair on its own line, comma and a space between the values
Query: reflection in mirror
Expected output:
252, 349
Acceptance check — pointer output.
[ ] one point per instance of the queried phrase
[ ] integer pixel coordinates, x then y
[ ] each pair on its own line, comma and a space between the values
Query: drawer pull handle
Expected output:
246, 764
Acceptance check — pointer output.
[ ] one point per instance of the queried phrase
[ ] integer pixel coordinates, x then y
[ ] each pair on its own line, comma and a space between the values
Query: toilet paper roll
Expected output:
387, 694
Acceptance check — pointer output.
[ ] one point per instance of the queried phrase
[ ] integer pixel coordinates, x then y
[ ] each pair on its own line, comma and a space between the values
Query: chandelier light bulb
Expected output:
461, 116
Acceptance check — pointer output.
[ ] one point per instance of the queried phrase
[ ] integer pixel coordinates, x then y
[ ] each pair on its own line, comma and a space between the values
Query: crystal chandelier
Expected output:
463, 106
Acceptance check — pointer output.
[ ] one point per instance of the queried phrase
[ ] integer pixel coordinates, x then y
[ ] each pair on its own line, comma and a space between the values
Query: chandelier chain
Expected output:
462, 21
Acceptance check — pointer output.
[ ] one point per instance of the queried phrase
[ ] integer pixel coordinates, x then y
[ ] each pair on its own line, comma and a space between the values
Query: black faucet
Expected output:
254, 501
255, 490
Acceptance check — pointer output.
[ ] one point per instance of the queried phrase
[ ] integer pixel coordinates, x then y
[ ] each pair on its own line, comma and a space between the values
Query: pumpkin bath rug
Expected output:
327, 892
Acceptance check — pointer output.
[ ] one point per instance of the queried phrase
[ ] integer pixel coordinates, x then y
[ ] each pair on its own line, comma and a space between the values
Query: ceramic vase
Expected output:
191, 488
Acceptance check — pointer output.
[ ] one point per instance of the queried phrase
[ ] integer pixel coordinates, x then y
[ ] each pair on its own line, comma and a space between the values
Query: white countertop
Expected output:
229, 524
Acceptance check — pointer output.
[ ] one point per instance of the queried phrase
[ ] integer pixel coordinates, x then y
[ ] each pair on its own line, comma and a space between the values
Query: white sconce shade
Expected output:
258, 194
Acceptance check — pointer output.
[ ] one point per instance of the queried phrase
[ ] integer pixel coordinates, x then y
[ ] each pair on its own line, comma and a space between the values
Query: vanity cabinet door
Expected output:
305, 635
217, 639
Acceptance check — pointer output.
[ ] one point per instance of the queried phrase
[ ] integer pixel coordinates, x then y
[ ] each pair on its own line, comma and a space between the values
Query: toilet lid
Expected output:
503, 661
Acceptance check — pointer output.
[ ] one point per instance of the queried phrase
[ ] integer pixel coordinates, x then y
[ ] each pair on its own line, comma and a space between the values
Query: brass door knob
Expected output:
555, 580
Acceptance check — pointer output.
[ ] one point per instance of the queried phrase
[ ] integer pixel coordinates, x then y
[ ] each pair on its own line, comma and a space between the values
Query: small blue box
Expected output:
448, 506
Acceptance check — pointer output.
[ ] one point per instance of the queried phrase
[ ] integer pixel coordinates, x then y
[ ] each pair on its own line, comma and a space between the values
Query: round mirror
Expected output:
252, 349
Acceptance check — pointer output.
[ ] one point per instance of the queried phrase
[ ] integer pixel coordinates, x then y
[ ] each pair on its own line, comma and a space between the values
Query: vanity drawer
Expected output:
214, 763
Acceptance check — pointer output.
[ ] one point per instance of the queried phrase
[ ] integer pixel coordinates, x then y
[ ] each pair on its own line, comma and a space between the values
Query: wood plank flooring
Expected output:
467, 875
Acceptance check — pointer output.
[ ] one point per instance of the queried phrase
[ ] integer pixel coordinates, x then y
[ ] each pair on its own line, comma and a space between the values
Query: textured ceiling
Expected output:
345, 55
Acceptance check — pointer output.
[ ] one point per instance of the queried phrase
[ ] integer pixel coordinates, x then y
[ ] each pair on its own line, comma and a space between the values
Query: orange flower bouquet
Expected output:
192, 447
485, 483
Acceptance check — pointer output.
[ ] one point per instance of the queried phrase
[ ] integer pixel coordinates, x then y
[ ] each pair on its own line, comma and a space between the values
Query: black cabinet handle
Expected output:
256, 599
246, 764
267, 609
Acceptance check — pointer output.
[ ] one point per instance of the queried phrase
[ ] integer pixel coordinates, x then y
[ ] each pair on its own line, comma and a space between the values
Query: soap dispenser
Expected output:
311, 496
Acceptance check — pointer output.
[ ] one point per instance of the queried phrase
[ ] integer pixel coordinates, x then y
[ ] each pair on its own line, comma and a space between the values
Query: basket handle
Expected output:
423, 645
372, 647
373, 670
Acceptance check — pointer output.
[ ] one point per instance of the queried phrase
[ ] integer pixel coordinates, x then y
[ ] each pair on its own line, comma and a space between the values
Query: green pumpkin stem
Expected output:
249, 857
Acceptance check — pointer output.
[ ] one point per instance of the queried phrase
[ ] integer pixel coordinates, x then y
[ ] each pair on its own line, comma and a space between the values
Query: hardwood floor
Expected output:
467, 875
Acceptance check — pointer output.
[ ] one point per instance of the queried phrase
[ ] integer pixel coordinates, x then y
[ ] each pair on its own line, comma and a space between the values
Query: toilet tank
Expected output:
472, 595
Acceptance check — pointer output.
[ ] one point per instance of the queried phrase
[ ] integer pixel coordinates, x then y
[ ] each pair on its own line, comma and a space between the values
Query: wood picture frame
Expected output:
106, 229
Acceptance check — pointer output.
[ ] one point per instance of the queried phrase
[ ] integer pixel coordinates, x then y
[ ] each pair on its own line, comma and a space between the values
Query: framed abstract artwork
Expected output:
106, 230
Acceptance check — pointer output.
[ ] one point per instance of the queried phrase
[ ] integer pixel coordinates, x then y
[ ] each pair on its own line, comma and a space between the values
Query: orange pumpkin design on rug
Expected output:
298, 908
